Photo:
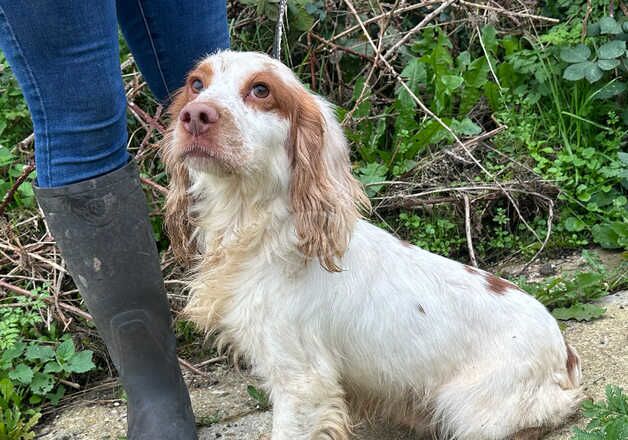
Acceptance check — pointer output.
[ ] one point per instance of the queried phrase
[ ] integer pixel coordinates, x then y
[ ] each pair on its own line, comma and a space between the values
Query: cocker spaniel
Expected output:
338, 317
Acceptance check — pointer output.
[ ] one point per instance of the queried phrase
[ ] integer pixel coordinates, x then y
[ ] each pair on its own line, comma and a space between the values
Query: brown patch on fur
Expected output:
529, 434
472, 270
325, 206
178, 221
573, 366
496, 284
185, 94
278, 98
217, 275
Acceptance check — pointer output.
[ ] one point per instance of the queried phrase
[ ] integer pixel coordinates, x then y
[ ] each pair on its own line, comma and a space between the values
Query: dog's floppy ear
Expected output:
324, 194
177, 218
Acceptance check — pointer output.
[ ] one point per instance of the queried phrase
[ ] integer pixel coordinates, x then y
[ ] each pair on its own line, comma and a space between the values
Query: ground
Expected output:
225, 410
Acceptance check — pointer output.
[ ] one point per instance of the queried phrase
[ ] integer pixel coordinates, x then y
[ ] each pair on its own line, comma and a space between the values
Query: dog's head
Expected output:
245, 117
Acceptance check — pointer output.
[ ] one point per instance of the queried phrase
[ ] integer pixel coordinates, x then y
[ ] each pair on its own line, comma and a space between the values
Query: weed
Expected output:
260, 396
609, 419
567, 296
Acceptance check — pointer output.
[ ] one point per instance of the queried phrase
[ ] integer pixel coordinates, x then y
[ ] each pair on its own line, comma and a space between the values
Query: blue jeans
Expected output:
65, 56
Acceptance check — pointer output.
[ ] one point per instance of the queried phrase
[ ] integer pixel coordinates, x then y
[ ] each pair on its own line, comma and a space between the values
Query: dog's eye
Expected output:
260, 91
197, 85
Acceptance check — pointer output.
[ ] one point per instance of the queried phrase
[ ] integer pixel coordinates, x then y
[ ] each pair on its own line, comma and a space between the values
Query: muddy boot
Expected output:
102, 229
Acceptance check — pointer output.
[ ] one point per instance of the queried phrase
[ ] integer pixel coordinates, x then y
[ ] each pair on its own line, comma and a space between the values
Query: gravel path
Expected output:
225, 410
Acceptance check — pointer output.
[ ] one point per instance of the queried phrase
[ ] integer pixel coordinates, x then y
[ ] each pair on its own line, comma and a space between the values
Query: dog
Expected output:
339, 318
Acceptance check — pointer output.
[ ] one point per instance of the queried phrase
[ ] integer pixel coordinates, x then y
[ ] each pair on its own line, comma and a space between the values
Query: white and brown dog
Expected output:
338, 317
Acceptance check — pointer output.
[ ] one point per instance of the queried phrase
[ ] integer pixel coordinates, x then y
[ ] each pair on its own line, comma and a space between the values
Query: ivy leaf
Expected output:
608, 25
42, 384
612, 49
608, 64
81, 362
579, 312
22, 373
42, 352
577, 54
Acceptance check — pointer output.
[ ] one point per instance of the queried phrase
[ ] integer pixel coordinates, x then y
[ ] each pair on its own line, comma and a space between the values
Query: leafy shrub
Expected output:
15, 423
568, 295
37, 368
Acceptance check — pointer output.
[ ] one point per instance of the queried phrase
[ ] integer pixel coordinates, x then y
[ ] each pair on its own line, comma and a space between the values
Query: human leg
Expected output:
167, 37
65, 57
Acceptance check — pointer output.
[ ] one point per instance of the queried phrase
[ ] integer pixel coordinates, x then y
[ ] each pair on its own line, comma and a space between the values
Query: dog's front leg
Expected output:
307, 407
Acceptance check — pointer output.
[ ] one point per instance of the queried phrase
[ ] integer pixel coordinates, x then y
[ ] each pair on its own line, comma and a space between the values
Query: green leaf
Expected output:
7, 389
80, 362
593, 29
53, 367
610, 90
372, 173
463, 59
299, 18
415, 74
13, 353
608, 64
611, 235
576, 54
42, 352
42, 383
573, 224
65, 350
477, 74
579, 312
593, 73
612, 49
608, 25
466, 127
577, 71
452, 82
57, 395
22, 373
489, 38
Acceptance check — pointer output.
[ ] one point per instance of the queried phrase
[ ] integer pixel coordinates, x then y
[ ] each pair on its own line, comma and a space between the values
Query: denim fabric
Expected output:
65, 56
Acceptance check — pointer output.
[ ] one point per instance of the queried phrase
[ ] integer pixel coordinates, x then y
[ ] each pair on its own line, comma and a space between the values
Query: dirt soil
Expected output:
224, 410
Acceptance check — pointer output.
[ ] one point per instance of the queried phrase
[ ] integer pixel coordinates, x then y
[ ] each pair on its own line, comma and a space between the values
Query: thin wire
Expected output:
279, 29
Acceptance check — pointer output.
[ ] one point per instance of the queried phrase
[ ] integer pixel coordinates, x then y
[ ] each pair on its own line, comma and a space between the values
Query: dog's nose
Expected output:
197, 117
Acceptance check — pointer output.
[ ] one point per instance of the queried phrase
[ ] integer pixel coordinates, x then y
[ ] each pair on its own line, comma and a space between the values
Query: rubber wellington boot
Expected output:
102, 228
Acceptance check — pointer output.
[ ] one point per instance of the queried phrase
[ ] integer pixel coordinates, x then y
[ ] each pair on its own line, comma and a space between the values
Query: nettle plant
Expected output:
38, 369
608, 61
